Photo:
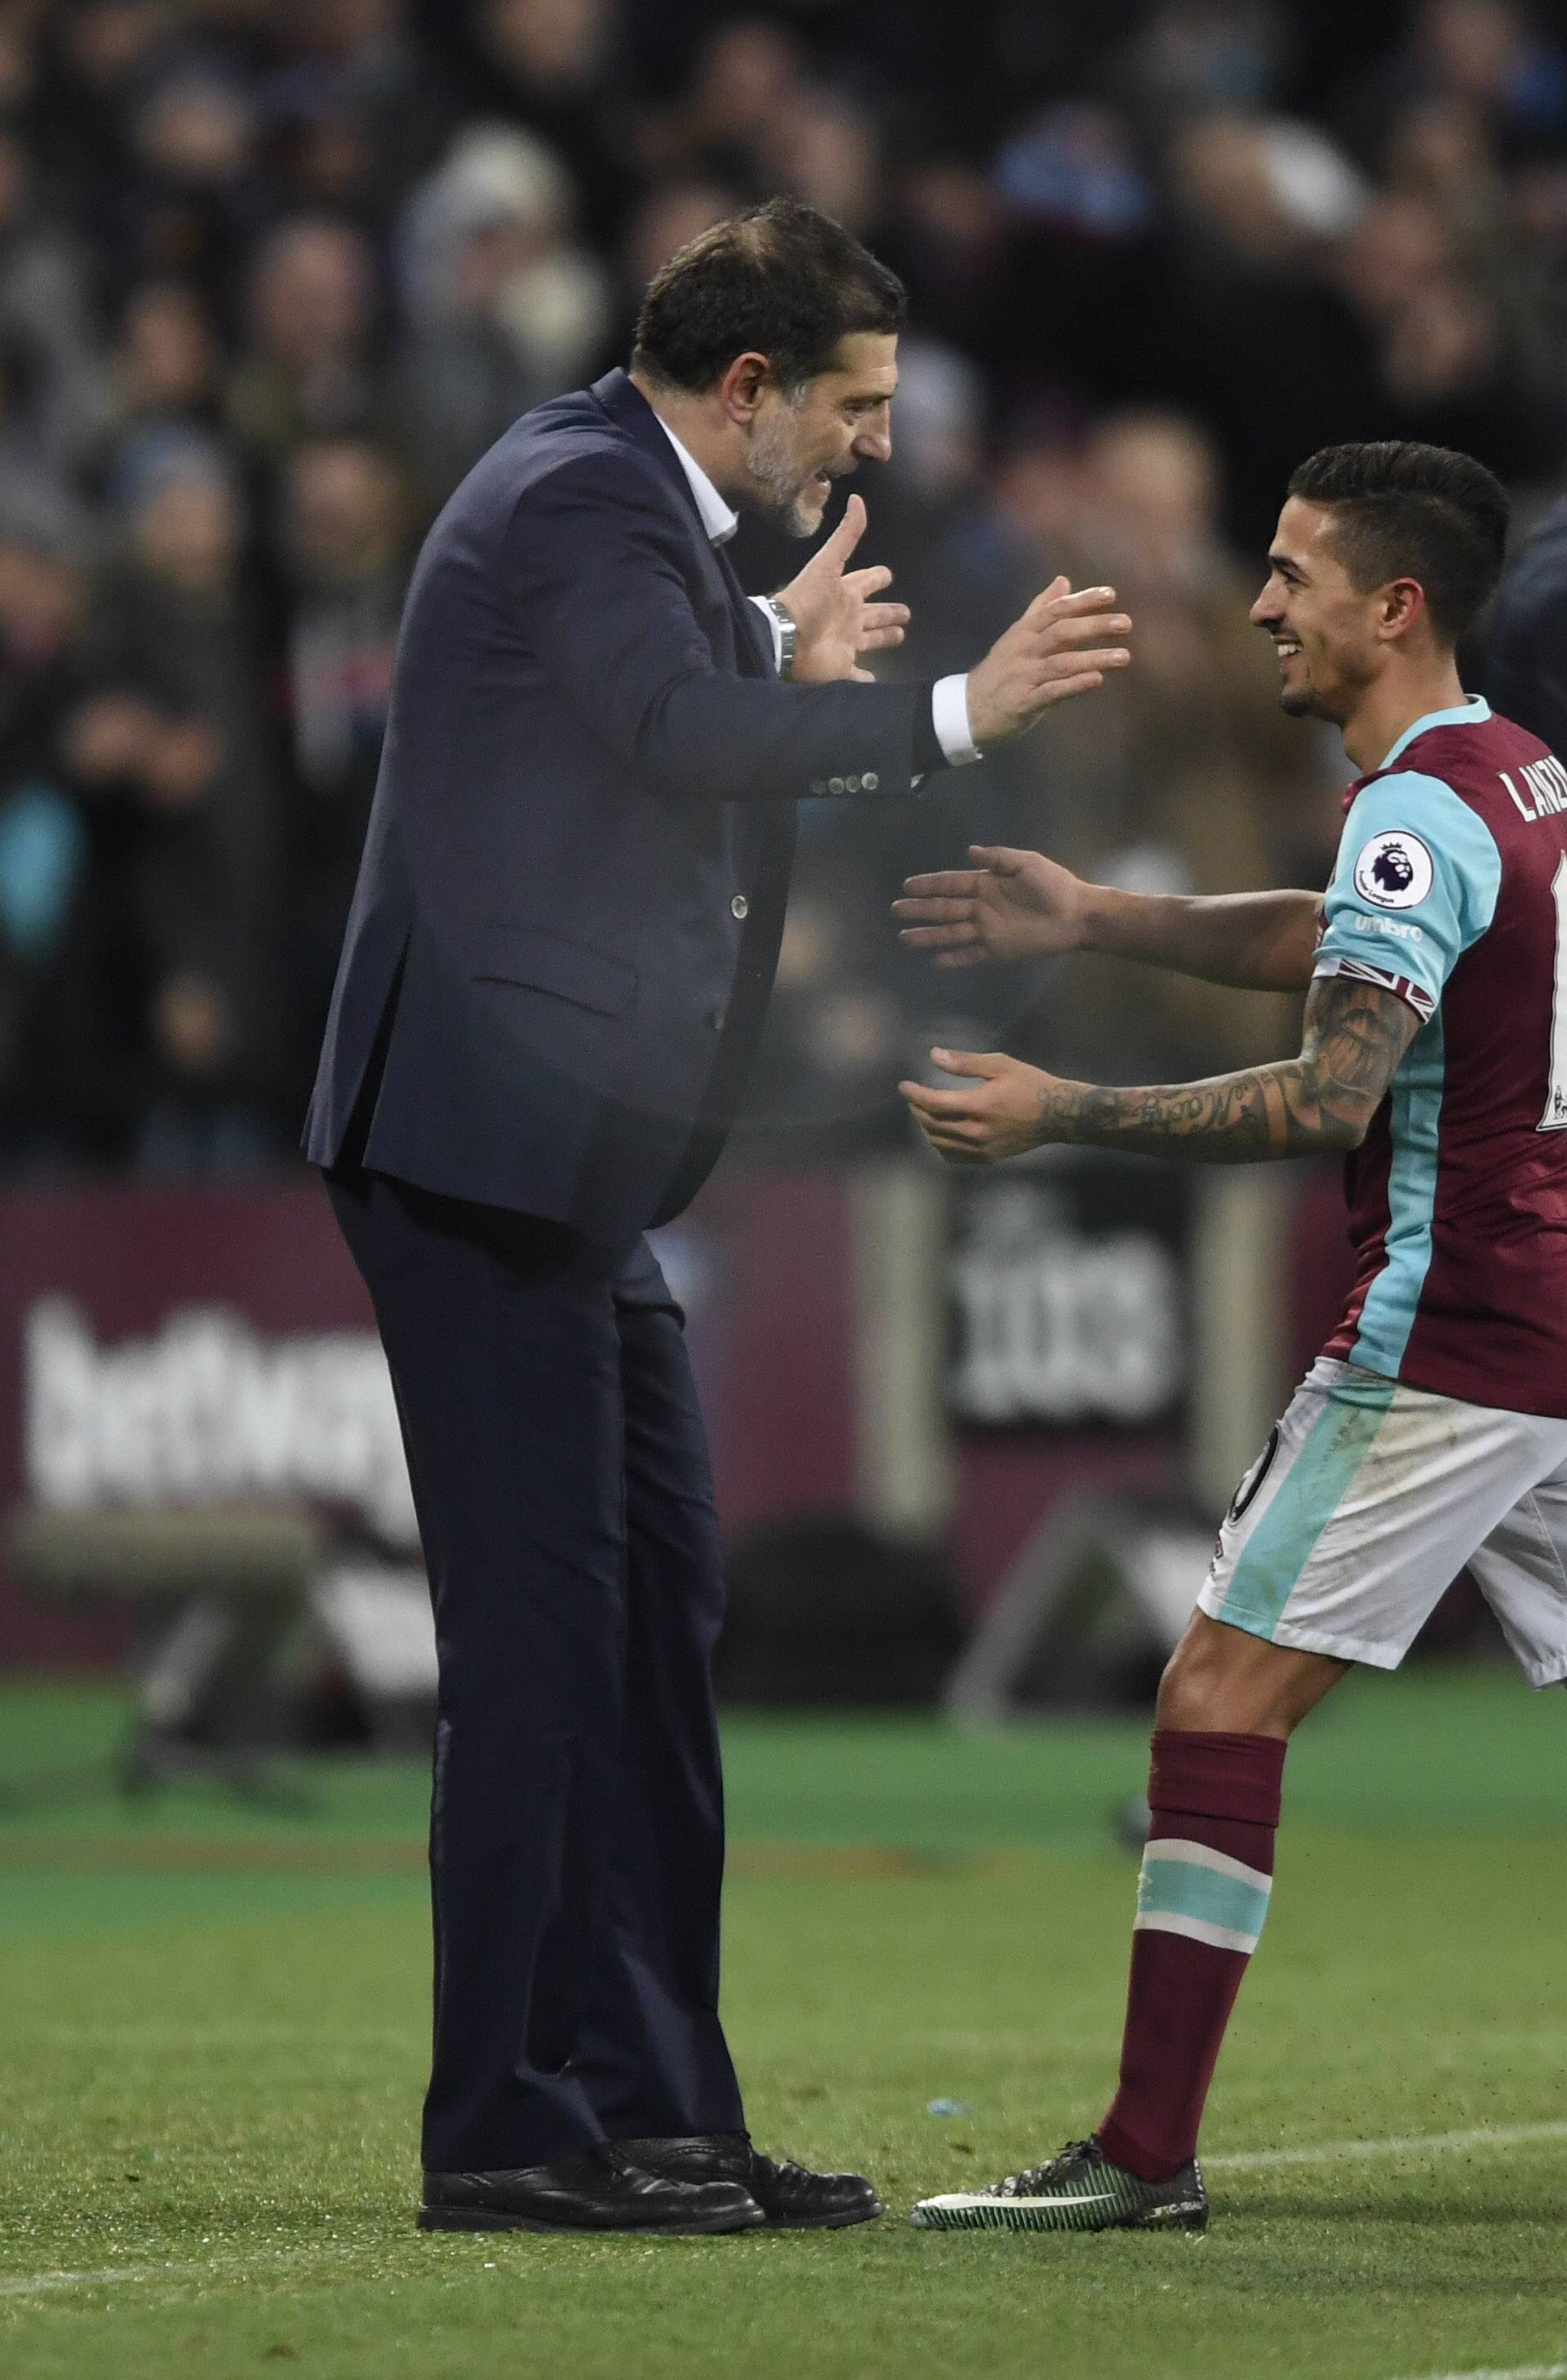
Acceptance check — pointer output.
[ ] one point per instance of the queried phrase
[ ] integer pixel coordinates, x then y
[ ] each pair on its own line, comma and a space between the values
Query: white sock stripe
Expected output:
1190, 1854
1196, 1929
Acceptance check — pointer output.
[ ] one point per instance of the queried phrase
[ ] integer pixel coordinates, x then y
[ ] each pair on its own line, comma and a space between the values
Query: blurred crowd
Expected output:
274, 272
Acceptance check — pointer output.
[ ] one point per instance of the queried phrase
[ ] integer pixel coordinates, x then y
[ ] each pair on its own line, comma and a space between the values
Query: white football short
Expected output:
1368, 1500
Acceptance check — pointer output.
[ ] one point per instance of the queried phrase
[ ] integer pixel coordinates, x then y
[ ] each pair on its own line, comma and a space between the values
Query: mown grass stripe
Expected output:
1002, 2217
240, 1855
28, 2284
1514, 2372
1483, 2136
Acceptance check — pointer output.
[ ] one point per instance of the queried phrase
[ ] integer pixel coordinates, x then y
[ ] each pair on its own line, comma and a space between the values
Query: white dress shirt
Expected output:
949, 698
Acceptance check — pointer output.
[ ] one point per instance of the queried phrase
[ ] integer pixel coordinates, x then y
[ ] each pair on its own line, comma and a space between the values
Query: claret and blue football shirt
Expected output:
1451, 891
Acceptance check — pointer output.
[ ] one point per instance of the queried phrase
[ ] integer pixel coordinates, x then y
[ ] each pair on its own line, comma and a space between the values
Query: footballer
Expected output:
1432, 1431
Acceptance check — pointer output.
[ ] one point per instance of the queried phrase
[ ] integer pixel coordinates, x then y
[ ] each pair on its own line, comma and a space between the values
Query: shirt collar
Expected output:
1468, 713
719, 519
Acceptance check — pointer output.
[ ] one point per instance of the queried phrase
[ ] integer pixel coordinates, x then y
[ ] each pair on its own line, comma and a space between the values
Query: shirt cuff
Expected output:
776, 632
949, 716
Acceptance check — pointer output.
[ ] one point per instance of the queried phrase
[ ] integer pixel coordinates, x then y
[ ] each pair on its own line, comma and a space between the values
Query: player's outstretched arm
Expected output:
1018, 904
1355, 1036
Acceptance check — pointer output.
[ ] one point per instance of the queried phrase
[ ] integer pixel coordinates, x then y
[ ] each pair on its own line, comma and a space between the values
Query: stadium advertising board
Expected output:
175, 1346
186, 1347
189, 1347
1068, 1287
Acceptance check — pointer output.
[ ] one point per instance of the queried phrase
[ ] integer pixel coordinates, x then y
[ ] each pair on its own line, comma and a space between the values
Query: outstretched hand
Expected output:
1064, 643
1011, 904
998, 1113
833, 609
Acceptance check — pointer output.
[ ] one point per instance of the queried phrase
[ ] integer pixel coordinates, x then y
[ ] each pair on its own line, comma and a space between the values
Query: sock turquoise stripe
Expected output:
1208, 1872
1188, 1887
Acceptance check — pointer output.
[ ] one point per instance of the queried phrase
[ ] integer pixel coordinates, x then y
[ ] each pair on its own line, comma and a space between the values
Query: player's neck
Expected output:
1393, 704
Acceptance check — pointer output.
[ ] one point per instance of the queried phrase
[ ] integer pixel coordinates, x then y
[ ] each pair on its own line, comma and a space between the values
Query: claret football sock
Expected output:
1207, 1870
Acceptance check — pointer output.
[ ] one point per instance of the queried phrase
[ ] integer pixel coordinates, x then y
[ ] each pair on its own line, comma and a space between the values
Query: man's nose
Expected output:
874, 443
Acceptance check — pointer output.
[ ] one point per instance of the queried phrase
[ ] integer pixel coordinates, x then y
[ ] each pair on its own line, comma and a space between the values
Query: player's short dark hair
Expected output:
1406, 510
782, 280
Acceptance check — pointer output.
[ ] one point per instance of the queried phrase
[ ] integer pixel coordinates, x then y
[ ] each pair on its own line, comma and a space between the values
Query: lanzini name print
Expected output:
1544, 792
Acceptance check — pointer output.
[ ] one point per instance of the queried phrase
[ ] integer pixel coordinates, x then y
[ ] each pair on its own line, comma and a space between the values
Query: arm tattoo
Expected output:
1355, 1036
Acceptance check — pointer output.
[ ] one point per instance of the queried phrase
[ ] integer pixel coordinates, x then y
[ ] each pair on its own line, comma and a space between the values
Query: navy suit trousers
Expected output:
564, 1498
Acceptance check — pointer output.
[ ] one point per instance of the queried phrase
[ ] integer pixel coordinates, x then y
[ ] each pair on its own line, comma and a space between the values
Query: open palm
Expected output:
1011, 905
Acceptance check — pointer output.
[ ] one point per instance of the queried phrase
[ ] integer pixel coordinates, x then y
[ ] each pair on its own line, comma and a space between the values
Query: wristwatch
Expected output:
788, 635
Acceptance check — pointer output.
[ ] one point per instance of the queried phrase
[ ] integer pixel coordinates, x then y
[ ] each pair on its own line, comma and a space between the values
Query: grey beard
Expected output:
774, 468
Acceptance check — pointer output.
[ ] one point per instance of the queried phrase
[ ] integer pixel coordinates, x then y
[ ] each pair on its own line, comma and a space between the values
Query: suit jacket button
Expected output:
819, 784
715, 1020
834, 784
851, 784
869, 782
739, 906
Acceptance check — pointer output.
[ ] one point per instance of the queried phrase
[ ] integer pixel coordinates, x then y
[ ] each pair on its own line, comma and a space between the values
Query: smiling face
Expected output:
1330, 635
800, 443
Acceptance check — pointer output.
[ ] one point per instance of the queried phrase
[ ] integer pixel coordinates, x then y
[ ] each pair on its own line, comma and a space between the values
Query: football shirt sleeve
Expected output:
1416, 882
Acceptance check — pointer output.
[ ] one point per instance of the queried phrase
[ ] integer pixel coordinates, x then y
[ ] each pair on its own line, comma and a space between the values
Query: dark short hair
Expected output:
1405, 510
782, 280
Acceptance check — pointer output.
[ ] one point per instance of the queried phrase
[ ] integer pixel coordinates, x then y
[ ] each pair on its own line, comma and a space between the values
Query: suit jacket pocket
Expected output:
541, 961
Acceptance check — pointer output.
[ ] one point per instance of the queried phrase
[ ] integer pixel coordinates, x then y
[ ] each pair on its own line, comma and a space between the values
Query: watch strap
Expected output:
788, 635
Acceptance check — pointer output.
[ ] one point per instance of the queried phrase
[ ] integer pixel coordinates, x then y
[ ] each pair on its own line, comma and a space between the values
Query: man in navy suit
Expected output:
1527, 637
556, 966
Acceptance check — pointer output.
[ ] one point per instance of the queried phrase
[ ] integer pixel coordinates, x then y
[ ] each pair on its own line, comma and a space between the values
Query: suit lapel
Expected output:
630, 410
763, 834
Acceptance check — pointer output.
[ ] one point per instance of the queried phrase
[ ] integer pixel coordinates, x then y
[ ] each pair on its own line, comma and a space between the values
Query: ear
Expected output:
1404, 606
739, 392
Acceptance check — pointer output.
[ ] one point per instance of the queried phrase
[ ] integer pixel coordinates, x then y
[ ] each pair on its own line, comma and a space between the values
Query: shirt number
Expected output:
1555, 1116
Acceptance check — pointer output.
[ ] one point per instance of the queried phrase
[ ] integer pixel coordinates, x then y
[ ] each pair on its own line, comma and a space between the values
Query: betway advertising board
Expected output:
1002, 1340
185, 1347
203, 1346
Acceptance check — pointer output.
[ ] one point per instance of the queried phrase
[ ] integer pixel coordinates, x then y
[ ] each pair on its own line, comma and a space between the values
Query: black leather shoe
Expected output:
600, 2189
792, 2198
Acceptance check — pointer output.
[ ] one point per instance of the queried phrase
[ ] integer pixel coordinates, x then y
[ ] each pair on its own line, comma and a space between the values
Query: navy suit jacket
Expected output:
1526, 667
568, 911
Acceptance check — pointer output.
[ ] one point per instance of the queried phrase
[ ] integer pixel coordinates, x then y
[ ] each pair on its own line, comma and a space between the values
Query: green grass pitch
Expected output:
213, 2028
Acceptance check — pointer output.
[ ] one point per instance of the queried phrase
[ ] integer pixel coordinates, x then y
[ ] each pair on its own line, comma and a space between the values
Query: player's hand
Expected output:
1011, 904
1065, 644
834, 611
998, 1113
